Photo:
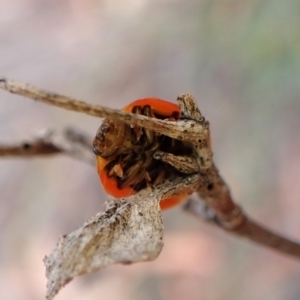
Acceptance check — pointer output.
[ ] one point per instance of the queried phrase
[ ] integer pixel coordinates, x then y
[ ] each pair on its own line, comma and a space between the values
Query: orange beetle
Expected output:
125, 153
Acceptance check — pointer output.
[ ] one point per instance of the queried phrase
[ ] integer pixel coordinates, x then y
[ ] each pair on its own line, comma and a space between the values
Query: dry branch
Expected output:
244, 227
207, 182
70, 142
176, 130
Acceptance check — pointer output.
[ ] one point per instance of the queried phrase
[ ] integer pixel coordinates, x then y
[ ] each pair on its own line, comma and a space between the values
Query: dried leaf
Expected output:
127, 232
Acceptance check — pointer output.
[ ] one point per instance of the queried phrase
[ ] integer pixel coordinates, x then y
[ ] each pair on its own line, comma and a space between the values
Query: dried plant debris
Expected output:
127, 232
130, 230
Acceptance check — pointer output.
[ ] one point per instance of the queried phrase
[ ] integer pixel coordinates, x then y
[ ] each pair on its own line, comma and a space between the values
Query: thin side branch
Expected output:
245, 227
70, 142
29, 148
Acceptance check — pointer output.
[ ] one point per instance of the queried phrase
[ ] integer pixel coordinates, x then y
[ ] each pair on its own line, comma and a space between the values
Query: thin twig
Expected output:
29, 148
246, 228
165, 127
70, 142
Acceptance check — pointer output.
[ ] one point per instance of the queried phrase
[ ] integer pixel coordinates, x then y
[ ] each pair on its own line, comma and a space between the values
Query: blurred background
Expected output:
239, 58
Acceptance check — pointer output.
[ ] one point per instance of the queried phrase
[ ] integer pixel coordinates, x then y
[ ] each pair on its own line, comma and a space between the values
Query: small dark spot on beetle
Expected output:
140, 214
192, 125
185, 131
26, 146
127, 262
96, 151
175, 115
199, 141
210, 186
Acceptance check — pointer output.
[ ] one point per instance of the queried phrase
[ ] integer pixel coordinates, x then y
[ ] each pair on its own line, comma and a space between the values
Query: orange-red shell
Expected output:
161, 107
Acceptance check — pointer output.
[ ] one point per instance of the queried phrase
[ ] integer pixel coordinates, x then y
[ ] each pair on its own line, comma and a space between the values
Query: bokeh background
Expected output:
239, 58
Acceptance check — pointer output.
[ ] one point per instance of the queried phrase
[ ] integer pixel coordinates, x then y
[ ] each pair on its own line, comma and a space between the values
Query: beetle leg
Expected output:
137, 130
160, 177
183, 164
150, 134
130, 176
109, 168
147, 176
118, 170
